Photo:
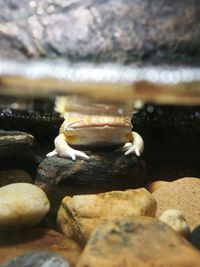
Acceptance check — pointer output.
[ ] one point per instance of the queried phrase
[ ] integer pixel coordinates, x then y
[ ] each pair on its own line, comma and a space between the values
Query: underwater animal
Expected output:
92, 125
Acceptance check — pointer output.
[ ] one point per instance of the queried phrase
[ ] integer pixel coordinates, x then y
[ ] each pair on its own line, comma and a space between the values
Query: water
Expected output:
167, 84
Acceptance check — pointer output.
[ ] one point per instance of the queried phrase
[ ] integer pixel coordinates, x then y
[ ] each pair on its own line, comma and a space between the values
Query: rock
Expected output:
105, 171
155, 185
22, 205
182, 194
138, 241
79, 215
108, 167
195, 237
12, 142
102, 30
38, 259
14, 176
15, 243
42, 124
176, 220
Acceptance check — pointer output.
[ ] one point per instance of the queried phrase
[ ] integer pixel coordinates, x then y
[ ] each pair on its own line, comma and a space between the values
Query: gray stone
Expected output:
195, 237
138, 241
101, 30
13, 142
37, 259
14, 243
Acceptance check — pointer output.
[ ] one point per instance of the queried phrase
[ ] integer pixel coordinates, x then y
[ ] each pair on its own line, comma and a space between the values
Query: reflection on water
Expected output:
161, 84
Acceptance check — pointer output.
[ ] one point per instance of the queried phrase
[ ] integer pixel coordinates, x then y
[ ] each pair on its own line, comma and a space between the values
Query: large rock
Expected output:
22, 205
108, 168
15, 243
80, 215
104, 171
182, 194
38, 259
100, 30
138, 241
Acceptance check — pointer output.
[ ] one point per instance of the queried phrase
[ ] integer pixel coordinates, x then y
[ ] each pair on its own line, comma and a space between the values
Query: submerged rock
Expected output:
13, 142
15, 243
38, 259
104, 171
182, 194
80, 215
113, 30
195, 237
176, 220
138, 241
14, 176
22, 205
110, 168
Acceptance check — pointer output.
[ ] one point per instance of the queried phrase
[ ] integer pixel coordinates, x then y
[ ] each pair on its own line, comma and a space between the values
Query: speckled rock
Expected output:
155, 185
114, 30
38, 259
14, 176
138, 241
22, 205
15, 243
12, 142
78, 216
182, 194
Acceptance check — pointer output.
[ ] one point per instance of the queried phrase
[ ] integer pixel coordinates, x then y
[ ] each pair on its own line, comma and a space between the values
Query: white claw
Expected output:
73, 154
65, 151
127, 145
130, 150
81, 154
137, 146
51, 154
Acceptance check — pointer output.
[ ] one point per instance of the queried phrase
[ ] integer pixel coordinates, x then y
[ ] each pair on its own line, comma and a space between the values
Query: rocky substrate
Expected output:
93, 213
126, 228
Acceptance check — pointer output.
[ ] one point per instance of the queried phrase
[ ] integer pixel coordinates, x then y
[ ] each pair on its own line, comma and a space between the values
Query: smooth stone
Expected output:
38, 259
14, 176
176, 220
79, 215
182, 194
13, 142
15, 243
138, 241
22, 205
112, 30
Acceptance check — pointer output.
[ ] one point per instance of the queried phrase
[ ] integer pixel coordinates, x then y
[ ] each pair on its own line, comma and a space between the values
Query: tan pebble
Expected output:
176, 220
79, 215
22, 205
